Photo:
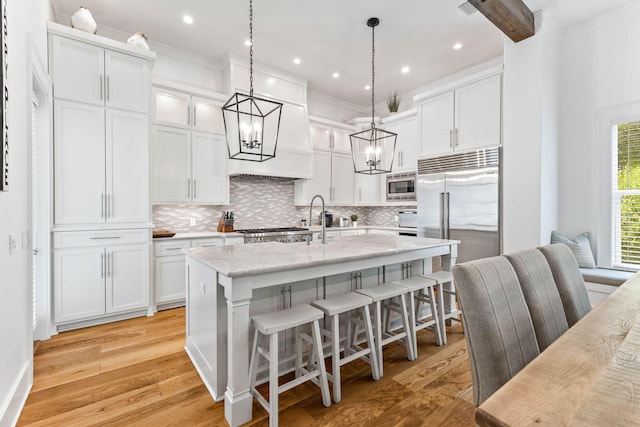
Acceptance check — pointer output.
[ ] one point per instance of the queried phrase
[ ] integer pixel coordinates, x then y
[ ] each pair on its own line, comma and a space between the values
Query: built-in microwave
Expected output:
401, 187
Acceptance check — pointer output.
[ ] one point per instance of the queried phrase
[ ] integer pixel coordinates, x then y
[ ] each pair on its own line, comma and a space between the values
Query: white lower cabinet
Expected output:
95, 276
170, 279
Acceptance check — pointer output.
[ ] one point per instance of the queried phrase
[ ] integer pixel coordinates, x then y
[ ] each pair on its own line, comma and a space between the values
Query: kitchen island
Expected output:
227, 284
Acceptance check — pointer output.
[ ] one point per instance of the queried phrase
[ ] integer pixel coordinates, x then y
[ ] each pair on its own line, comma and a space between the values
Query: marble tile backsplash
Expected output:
261, 202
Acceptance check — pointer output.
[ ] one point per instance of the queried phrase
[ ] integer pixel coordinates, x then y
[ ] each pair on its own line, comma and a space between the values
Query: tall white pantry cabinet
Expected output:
102, 211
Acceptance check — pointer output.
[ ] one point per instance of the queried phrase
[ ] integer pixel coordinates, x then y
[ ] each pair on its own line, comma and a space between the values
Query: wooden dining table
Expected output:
590, 376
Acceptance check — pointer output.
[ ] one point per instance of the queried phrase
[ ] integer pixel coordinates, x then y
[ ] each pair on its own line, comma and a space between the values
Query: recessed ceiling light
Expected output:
367, 87
405, 70
187, 19
457, 46
296, 61
247, 43
335, 75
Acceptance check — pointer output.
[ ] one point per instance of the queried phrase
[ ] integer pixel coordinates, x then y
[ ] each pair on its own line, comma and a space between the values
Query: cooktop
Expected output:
269, 230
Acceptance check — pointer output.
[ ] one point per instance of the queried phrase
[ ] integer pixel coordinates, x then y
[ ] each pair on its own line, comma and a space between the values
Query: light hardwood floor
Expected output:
136, 373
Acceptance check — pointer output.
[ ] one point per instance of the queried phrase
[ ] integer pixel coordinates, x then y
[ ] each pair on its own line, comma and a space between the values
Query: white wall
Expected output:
600, 68
16, 350
530, 138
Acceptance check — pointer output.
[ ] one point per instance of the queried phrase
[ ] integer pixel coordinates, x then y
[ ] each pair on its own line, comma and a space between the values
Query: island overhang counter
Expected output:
221, 282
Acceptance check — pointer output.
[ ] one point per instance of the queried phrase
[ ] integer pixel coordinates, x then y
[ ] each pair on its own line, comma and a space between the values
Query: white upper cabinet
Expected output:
461, 119
79, 164
127, 166
91, 74
406, 126
175, 108
365, 189
188, 167
101, 165
333, 175
479, 114
189, 152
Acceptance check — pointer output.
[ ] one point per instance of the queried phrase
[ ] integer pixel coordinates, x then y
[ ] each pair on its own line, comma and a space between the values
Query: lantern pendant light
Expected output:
251, 124
373, 149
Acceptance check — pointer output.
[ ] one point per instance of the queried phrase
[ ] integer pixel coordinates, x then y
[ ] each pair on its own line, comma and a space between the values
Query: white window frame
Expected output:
607, 118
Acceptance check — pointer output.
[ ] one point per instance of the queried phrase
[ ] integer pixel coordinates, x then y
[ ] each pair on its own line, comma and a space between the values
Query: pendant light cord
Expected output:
373, 75
251, 48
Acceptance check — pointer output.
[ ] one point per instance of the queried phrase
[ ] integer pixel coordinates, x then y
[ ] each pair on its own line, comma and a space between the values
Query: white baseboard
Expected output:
12, 406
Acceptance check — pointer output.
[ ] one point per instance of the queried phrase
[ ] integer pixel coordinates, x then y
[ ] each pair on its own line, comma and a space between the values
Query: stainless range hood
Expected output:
294, 152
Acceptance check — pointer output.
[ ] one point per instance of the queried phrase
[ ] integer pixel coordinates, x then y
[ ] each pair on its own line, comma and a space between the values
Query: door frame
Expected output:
40, 87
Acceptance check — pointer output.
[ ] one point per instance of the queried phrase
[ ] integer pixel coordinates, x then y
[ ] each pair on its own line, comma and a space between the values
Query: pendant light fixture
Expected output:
251, 123
373, 149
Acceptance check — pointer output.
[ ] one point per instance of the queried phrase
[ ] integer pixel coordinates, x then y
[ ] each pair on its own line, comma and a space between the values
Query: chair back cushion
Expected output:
541, 294
569, 282
496, 321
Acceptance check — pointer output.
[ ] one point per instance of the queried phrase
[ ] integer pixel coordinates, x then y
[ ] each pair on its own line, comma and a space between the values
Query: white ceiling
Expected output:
330, 35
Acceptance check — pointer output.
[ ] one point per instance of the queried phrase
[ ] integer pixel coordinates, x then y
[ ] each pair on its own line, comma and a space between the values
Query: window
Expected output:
625, 218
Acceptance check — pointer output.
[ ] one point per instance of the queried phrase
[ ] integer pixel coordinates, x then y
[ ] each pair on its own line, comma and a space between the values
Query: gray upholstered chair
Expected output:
569, 282
541, 294
497, 324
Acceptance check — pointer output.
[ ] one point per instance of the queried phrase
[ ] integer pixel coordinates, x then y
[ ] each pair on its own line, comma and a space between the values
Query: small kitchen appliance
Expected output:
328, 218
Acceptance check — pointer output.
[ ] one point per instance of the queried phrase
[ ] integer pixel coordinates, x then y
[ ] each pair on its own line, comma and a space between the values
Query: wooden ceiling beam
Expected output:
512, 17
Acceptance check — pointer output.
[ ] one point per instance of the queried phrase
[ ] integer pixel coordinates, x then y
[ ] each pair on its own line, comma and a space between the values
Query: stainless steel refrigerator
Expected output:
459, 198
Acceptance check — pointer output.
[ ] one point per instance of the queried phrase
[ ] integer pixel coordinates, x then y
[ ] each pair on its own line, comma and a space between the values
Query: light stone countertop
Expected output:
365, 227
245, 260
197, 235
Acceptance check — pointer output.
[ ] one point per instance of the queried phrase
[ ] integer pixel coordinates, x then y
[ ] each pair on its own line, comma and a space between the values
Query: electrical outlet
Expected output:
192, 221
13, 243
25, 240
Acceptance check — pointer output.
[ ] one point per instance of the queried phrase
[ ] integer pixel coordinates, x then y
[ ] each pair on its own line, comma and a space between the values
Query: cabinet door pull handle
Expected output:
188, 115
101, 87
195, 182
110, 264
105, 237
108, 88
456, 137
102, 211
290, 297
102, 265
110, 205
188, 188
451, 138
173, 249
195, 117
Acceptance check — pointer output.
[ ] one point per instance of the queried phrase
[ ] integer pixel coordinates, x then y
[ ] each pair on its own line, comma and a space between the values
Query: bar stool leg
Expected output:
443, 326
405, 324
273, 380
335, 357
253, 368
413, 309
434, 313
324, 383
373, 357
378, 335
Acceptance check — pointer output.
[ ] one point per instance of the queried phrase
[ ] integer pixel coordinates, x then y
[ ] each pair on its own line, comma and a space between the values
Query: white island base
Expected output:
226, 285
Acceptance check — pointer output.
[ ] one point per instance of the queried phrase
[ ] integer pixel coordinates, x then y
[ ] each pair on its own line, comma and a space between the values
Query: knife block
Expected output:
225, 226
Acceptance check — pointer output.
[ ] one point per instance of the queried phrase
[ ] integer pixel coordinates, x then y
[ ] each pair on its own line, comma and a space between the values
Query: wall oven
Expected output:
401, 187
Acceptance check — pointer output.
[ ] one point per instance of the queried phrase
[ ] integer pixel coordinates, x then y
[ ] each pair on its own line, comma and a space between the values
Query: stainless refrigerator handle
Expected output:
442, 215
446, 215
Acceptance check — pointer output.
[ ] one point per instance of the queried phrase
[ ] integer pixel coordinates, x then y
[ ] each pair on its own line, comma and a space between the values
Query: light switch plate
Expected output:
13, 243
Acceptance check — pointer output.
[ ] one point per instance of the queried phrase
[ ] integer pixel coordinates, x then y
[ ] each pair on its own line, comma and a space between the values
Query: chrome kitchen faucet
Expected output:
324, 228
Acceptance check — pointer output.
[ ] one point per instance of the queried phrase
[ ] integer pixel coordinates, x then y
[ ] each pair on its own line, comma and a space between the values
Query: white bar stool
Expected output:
379, 294
334, 307
442, 278
271, 324
422, 290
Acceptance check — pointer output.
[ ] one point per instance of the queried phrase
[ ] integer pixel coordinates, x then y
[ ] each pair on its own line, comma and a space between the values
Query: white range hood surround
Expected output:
294, 152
